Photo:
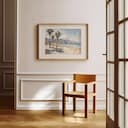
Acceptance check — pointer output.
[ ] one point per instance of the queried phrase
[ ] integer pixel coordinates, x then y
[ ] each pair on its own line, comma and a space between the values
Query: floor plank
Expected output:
50, 119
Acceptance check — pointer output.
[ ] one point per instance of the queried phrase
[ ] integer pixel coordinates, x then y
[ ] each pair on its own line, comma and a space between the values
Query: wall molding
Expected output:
56, 73
4, 81
3, 57
23, 99
4, 60
99, 77
7, 67
7, 94
26, 103
42, 73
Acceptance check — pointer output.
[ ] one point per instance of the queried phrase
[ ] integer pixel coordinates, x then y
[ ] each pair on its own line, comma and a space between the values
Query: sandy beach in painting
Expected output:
63, 49
72, 50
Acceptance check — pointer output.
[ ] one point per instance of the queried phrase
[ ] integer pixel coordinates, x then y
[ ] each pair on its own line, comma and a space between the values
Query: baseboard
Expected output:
100, 105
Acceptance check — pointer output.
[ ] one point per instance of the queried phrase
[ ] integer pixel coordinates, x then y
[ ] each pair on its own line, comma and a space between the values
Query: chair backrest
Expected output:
84, 78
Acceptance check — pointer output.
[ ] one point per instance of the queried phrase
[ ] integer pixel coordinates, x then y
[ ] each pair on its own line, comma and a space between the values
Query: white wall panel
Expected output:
40, 89
33, 12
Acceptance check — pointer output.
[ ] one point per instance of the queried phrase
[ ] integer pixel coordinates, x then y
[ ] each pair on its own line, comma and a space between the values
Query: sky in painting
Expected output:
71, 34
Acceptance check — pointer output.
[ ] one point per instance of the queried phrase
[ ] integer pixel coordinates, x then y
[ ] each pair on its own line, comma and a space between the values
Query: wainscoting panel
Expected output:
8, 80
44, 92
41, 90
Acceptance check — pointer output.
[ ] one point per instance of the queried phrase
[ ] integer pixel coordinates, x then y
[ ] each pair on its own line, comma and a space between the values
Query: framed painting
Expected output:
62, 41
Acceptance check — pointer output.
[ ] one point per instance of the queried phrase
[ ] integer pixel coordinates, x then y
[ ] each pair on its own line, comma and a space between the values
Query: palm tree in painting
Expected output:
57, 34
53, 38
50, 31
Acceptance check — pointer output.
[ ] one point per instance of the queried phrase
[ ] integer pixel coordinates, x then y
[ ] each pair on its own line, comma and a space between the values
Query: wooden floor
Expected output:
50, 119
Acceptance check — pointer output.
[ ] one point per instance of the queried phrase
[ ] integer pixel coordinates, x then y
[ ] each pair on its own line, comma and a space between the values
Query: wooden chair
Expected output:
87, 80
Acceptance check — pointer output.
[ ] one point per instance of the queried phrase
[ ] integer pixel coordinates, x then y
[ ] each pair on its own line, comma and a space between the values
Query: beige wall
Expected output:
34, 71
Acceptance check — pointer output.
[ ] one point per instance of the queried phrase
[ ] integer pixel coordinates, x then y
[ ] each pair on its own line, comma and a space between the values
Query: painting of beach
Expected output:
62, 41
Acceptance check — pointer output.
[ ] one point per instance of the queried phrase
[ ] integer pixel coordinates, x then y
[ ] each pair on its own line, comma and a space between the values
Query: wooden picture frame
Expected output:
62, 41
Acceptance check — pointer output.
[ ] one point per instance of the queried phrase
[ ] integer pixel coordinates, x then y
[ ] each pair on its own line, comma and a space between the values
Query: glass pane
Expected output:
108, 18
121, 113
108, 45
126, 8
121, 78
111, 76
111, 47
108, 84
126, 39
111, 105
126, 114
108, 76
121, 41
111, 14
121, 9
108, 103
126, 80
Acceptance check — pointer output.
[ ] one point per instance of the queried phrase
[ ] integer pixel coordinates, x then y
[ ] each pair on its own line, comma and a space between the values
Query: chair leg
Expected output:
94, 104
94, 98
86, 102
74, 99
74, 104
63, 99
63, 105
